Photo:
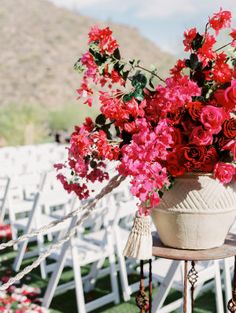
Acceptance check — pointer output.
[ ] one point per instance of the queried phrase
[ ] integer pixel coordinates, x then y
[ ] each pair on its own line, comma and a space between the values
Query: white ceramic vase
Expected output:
196, 213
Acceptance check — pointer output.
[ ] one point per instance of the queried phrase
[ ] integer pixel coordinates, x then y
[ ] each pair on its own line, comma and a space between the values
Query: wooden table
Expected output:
225, 251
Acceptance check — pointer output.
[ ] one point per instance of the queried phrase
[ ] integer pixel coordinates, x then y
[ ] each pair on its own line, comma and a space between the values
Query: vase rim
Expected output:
195, 174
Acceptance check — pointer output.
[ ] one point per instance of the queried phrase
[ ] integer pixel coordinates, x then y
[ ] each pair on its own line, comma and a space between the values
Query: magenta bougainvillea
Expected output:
156, 129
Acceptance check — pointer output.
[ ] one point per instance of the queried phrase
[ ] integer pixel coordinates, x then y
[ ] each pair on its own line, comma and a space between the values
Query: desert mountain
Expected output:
40, 43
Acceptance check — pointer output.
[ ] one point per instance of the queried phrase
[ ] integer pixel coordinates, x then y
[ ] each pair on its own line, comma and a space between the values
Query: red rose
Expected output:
199, 136
177, 136
229, 128
175, 169
227, 97
194, 153
212, 118
194, 109
225, 143
210, 160
224, 172
174, 165
233, 150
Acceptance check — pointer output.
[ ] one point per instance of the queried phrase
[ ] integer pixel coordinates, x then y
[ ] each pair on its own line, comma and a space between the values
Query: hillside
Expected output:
39, 45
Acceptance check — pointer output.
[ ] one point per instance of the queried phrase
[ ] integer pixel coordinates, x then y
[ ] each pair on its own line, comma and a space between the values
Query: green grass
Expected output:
28, 124
66, 303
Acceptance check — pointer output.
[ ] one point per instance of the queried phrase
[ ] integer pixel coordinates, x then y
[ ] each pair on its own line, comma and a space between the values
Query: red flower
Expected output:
179, 66
104, 148
206, 53
194, 153
194, 109
222, 73
106, 42
227, 97
233, 34
189, 36
220, 20
224, 172
212, 118
174, 167
210, 160
229, 128
199, 136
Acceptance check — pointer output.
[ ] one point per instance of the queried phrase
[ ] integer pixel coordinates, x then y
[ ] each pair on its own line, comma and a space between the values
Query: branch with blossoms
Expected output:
155, 132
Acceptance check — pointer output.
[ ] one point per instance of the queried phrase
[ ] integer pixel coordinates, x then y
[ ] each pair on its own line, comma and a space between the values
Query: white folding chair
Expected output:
4, 188
39, 216
169, 274
78, 252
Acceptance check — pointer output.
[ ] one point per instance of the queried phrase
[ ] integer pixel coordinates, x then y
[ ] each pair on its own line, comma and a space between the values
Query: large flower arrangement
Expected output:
156, 131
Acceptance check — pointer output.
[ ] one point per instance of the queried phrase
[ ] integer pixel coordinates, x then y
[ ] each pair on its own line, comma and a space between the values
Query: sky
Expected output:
162, 21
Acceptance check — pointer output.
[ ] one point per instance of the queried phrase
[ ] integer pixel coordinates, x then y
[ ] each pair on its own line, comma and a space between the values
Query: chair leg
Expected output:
227, 280
20, 255
123, 270
78, 280
165, 286
40, 241
53, 282
113, 277
218, 287
90, 282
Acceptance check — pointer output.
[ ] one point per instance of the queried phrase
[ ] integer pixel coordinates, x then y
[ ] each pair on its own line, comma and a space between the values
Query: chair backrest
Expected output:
4, 188
54, 197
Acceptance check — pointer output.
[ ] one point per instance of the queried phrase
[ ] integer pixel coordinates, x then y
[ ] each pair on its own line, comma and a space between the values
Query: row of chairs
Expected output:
32, 158
29, 201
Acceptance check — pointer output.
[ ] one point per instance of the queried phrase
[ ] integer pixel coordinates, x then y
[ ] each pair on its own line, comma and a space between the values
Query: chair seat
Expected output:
98, 236
87, 252
160, 269
43, 220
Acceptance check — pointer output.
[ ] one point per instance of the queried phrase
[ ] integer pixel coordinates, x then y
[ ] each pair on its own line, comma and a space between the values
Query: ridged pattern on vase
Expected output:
199, 193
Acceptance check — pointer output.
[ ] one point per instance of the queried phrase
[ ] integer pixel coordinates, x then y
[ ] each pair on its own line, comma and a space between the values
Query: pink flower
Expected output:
212, 118
199, 136
227, 97
224, 172
178, 91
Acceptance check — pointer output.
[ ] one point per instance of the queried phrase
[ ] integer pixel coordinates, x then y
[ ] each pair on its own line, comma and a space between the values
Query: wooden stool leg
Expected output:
192, 277
185, 285
232, 302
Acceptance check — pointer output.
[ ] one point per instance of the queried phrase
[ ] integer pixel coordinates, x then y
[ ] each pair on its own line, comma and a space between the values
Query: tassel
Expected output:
139, 244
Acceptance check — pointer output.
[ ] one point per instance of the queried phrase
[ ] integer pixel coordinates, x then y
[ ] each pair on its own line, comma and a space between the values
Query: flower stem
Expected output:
227, 44
151, 72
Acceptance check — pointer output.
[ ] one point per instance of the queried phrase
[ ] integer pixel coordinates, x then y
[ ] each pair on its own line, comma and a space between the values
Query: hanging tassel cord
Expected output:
150, 285
87, 209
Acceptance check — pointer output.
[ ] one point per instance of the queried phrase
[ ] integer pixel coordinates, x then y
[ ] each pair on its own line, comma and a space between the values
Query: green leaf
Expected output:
194, 63
93, 164
128, 97
151, 83
100, 119
197, 42
117, 131
125, 74
79, 67
138, 94
98, 58
139, 80
119, 67
117, 54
